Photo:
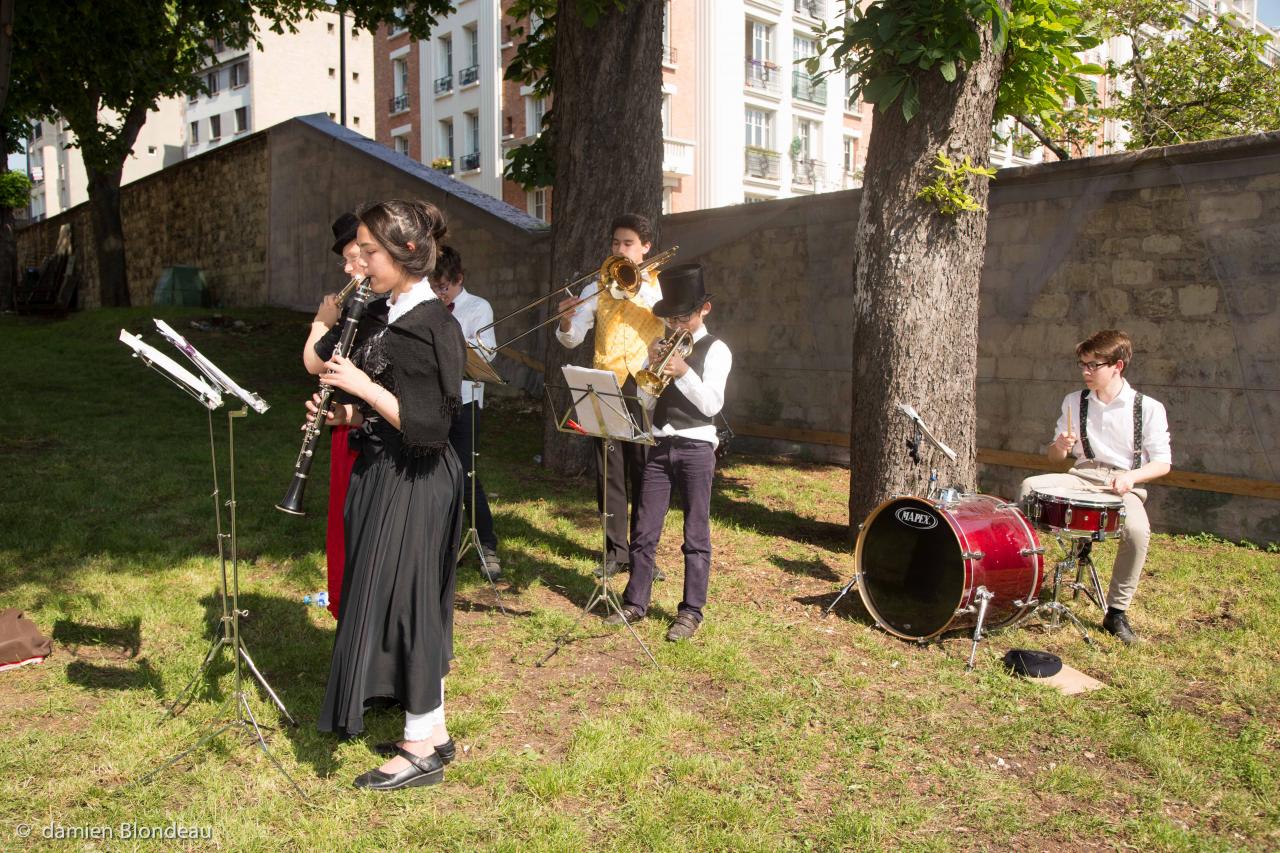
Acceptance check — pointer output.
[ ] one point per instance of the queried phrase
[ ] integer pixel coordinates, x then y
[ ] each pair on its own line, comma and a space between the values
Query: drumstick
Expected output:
1069, 433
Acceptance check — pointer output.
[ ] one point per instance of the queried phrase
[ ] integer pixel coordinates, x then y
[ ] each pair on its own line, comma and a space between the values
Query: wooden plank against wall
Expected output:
1033, 461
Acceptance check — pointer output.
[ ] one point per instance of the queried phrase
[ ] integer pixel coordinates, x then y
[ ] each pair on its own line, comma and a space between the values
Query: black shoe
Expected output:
447, 750
685, 626
1116, 624
421, 771
630, 613
490, 567
611, 568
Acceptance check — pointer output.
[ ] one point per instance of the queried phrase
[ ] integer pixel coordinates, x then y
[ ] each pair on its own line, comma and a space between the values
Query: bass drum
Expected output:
920, 564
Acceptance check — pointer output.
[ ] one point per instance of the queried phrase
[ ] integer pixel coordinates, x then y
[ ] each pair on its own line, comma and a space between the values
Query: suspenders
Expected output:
1137, 427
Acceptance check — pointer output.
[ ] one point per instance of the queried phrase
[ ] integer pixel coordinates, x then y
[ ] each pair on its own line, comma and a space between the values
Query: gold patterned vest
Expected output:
624, 330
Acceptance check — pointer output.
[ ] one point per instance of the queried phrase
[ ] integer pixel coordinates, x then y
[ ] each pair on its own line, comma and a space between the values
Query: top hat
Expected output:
682, 291
344, 231
1032, 664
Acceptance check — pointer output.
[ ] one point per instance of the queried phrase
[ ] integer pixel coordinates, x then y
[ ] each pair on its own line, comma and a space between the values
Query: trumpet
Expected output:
654, 382
292, 500
619, 275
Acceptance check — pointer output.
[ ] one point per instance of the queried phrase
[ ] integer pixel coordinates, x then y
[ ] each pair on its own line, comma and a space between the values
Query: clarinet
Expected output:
292, 502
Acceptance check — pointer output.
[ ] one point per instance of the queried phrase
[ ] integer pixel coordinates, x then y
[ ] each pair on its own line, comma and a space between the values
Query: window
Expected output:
332, 73
401, 144
471, 73
239, 74
535, 109
195, 133
759, 41
211, 80
397, 21
804, 47
802, 143
666, 200
355, 34
446, 138
471, 160
668, 54
508, 126
355, 76
850, 159
759, 128
355, 121
446, 56
399, 85
666, 115
330, 26
538, 204
242, 119
215, 128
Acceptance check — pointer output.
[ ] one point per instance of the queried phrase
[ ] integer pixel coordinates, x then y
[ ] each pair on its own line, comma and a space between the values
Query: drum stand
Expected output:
983, 597
230, 638
1077, 557
471, 538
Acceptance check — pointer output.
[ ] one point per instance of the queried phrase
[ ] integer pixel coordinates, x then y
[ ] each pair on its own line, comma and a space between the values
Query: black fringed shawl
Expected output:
428, 354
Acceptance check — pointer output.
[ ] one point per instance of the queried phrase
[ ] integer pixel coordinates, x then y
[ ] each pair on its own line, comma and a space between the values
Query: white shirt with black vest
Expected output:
473, 313
1110, 428
705, 390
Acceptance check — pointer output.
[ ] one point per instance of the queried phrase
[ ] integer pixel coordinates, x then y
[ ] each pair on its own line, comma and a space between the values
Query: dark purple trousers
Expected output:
688, 465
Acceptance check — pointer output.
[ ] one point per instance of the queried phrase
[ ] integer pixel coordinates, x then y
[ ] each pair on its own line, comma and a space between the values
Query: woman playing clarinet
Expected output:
403, 512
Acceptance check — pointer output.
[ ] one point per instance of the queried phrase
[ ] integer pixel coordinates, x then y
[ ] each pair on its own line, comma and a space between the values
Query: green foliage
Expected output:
1186, 81
15, 189
885, 45
949, 190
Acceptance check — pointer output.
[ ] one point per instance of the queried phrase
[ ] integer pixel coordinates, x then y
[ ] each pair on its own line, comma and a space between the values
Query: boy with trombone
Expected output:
684, 385
624, 325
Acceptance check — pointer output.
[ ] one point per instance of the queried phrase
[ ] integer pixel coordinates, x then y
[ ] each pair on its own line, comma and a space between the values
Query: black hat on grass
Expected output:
1032, 664
344, 231
682, 291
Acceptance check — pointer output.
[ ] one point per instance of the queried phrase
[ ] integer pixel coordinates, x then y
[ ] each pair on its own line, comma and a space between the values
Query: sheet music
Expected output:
179, 375
613, 419
209, 369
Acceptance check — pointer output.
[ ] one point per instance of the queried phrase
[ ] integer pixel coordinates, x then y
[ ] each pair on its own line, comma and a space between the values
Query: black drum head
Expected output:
912, 574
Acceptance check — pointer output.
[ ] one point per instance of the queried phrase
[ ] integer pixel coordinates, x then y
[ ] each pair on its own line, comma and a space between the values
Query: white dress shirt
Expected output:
706, 392
583, 317
473, 313
1110, 428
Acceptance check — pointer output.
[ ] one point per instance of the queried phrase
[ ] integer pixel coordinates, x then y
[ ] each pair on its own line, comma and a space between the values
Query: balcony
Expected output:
469, 75
807, 87
444, 85
399, 103
764, 76
677, 157
816, 9
761, 163
469, 162
807, 173
668, 55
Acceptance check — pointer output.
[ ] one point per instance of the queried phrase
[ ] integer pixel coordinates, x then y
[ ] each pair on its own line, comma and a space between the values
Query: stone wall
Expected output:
206, 212
1180, 246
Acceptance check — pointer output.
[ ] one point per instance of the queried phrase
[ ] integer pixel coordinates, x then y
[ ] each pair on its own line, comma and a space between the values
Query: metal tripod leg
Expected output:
853, 581
983, 597
262, 682
471, 538
188, 693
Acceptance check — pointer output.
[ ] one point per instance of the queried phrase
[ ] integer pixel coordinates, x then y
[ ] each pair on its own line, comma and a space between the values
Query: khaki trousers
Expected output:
1132, 554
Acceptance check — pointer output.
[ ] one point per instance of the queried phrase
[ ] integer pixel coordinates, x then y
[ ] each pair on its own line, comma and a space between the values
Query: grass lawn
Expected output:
776, 728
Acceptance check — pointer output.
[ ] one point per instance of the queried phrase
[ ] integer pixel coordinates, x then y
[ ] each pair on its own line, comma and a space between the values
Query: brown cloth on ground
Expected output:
20, 639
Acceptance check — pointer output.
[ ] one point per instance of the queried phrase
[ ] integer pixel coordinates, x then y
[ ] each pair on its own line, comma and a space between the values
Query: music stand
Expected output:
218, 382
478, 370
602, 412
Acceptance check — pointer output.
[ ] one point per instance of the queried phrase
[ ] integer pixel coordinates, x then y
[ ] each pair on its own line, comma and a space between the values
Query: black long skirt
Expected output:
395, 625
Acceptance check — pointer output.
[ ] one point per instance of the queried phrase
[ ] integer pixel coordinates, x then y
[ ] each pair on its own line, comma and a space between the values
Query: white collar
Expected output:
1123, 397
397, 306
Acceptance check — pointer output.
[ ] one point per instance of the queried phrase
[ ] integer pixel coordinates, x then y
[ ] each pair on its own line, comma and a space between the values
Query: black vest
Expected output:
673, 406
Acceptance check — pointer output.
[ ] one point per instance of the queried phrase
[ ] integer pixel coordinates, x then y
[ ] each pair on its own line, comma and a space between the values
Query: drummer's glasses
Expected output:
1091, 366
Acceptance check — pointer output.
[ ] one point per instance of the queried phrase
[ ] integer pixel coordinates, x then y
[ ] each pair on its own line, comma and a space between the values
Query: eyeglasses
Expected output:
680, 318
1092, 366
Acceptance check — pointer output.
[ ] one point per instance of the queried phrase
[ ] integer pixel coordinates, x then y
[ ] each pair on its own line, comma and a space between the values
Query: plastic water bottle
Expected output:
319, 599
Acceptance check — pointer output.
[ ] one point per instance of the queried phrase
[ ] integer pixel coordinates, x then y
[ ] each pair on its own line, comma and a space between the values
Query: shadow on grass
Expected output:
814, 567
850, 607
766, 521
127, 637
117, 666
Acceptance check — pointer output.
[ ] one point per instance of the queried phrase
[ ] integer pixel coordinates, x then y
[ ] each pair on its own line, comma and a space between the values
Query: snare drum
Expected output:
1076, 512
921, 562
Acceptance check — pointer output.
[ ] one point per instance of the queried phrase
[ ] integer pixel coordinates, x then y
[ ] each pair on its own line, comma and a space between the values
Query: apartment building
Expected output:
741, 121
58, 177
325, 67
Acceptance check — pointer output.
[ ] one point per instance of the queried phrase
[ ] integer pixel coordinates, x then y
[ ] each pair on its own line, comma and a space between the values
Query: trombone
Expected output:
619, 275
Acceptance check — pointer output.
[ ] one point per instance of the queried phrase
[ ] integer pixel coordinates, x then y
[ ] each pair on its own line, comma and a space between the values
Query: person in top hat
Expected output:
684, 456
624, 329
341, 457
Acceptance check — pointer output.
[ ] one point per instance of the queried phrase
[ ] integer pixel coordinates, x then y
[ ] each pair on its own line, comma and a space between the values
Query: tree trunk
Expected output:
607, 146
108, 230
8, 240
916, 274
